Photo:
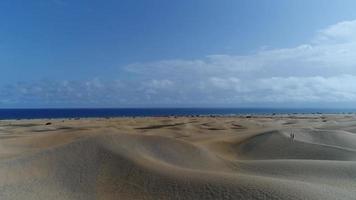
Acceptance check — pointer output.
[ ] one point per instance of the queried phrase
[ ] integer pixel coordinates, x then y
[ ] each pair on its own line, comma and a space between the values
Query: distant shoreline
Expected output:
252, 116
18, 114
237, 157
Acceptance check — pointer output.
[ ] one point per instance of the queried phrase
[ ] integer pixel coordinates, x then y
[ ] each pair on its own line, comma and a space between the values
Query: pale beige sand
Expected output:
179, 158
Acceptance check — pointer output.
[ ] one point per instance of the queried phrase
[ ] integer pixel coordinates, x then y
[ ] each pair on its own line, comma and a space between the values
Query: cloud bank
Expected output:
320, 71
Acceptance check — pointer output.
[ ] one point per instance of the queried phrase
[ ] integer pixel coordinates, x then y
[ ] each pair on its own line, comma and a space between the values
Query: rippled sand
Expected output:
180, 158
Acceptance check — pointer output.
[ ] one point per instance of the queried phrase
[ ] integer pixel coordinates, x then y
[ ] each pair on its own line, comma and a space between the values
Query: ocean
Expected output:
142, 112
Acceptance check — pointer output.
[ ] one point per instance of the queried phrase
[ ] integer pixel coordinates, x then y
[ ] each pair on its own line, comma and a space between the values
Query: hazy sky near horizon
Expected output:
153, 53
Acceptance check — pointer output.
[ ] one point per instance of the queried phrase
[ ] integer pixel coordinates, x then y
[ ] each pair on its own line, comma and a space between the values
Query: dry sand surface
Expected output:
179, 158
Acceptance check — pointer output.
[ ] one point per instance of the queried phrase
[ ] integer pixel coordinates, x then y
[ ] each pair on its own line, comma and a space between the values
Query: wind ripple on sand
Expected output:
128, 164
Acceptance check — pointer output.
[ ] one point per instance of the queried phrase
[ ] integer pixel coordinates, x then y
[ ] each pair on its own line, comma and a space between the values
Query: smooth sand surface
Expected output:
179, 158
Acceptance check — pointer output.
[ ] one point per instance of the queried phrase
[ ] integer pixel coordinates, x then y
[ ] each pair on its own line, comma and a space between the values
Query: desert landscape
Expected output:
240, 157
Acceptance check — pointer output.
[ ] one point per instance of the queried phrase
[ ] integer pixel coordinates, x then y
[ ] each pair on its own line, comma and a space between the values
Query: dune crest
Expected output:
179, 158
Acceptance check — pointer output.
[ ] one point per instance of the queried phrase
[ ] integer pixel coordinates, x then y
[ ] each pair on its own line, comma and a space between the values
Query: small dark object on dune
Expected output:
48, 123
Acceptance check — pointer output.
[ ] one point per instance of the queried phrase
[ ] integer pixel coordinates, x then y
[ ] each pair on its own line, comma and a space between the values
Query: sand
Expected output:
179, 158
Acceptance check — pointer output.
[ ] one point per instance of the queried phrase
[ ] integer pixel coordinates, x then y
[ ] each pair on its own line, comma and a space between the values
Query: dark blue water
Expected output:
121, 112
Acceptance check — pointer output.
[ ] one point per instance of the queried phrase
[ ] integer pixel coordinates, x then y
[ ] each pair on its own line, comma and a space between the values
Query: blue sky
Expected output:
154, 53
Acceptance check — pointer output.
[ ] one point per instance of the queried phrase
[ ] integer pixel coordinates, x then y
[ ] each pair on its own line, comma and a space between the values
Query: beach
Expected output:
311, 156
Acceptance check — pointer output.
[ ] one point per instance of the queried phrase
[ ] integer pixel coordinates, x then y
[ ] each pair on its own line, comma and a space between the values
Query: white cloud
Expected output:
160, 84
310, 89
322, 70
342, 32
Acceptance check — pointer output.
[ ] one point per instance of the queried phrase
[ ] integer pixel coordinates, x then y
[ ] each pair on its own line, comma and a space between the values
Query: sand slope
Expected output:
179, 158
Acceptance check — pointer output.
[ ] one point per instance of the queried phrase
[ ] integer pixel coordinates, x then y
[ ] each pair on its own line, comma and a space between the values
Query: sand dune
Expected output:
179, 158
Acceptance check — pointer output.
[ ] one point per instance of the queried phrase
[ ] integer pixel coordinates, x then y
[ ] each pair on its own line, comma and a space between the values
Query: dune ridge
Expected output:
179, 158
